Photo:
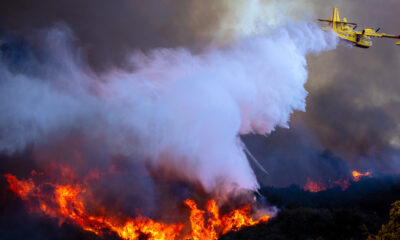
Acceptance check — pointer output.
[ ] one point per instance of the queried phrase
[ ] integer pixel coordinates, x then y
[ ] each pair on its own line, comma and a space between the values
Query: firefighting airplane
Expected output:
345, 32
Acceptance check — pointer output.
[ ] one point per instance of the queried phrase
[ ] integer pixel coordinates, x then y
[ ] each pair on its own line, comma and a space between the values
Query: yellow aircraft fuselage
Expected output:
360, 39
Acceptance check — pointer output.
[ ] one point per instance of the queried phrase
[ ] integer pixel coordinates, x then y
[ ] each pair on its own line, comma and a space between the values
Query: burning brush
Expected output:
68, 201
342, 182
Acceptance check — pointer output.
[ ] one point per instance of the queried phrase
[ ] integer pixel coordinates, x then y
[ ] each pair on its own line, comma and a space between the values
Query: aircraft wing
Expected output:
382, 35
330, 21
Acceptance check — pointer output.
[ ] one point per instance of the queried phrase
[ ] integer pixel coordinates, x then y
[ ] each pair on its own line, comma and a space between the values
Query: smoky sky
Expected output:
108, 30
352, 108
354, 93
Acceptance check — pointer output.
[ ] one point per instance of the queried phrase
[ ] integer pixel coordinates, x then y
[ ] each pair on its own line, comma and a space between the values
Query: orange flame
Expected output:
66, 203
312, 186
357, 175
19, 187
344, 183
217, 225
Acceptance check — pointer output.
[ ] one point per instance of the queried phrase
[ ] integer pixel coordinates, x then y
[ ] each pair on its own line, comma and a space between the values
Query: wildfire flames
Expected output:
66, 202
312, 186
317, 186
357, 175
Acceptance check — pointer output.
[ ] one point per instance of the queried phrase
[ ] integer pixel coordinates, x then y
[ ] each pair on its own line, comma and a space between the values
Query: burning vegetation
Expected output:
312, 186
343, 183
68, 200
358, 175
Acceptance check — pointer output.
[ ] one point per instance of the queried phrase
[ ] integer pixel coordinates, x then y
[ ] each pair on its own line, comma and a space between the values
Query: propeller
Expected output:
354, 28
377, 30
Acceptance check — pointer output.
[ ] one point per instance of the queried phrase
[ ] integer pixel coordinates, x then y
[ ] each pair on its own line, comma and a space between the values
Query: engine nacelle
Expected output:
368, 31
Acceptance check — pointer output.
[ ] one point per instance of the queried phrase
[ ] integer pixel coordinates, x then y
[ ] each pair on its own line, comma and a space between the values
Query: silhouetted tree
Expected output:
391, 230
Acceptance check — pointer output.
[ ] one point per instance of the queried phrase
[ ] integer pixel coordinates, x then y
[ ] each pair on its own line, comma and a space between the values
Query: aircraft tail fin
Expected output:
336, 17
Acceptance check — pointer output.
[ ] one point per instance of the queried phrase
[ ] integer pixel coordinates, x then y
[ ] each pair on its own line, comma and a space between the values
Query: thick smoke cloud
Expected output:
178, 111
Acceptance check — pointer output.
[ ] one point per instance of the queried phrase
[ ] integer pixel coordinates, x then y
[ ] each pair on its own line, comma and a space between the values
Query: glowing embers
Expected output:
317, 186
68, 202
314, 186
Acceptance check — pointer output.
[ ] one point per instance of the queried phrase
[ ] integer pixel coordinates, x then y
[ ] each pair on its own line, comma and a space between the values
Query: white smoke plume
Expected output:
175, 110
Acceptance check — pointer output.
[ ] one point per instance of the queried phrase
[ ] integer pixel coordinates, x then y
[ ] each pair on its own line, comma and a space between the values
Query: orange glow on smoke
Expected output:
312, 186
357, 175
67, 203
